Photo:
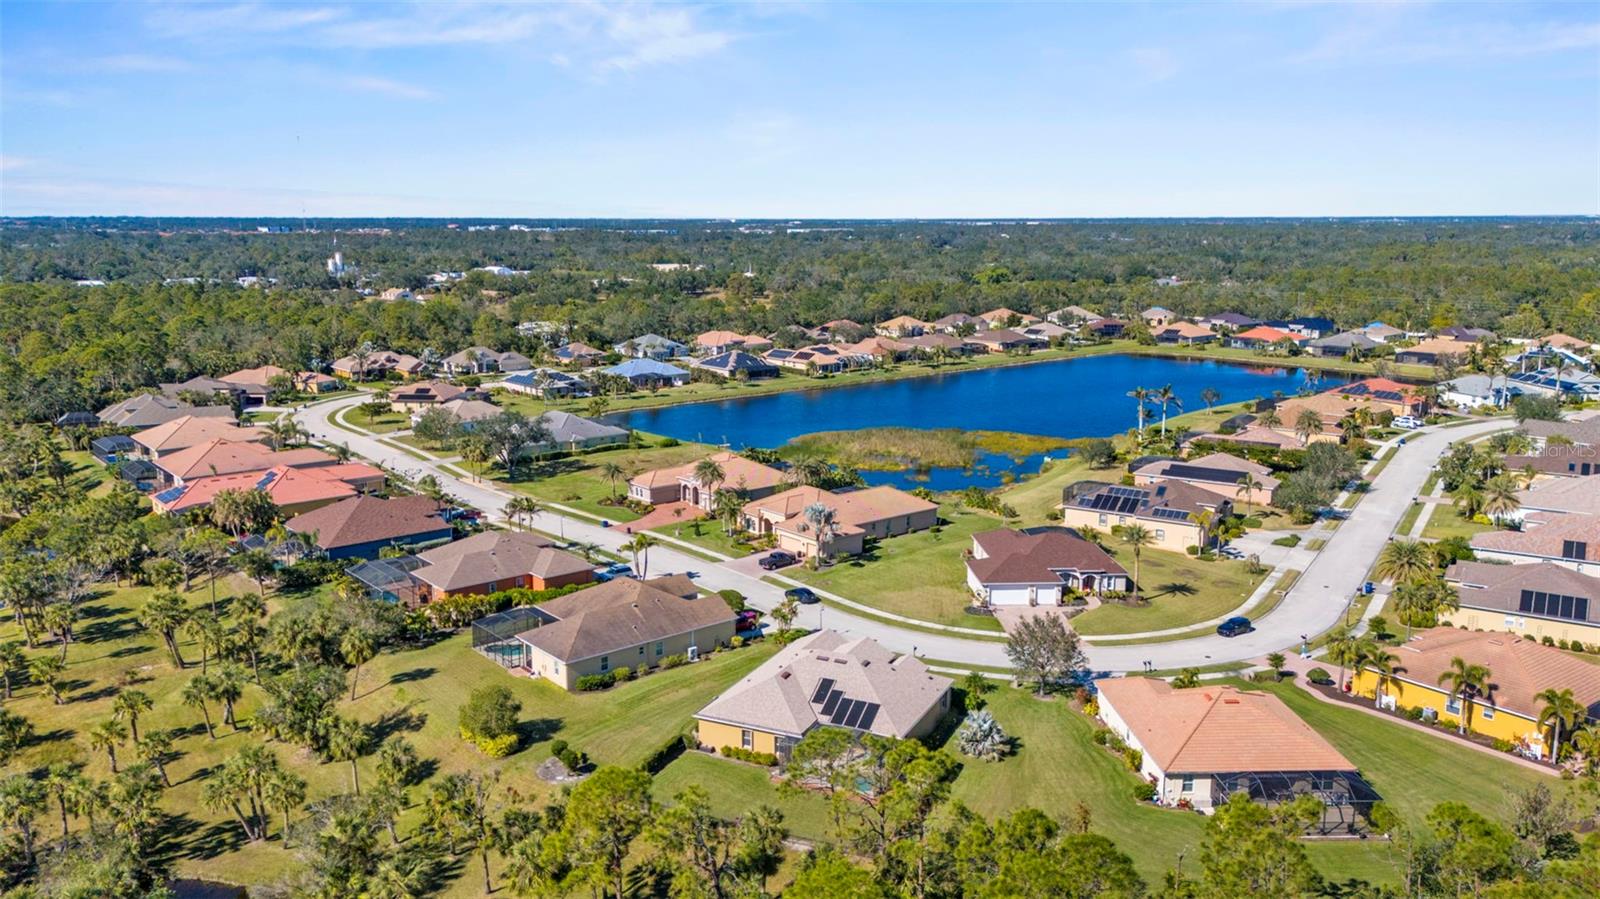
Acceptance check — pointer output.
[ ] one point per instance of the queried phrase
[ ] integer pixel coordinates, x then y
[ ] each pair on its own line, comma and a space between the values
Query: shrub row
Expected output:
766, 759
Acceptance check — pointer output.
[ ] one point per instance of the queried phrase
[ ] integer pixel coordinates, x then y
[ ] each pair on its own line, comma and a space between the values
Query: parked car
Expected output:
778, 559
612, 572
803, 596
1234, 626
1408, 423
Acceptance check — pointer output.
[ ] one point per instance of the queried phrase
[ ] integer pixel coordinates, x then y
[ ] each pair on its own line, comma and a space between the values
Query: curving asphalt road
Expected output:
1316, 603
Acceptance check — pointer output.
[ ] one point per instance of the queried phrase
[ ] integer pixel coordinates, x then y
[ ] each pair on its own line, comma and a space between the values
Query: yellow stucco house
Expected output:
826, 679
1507, 710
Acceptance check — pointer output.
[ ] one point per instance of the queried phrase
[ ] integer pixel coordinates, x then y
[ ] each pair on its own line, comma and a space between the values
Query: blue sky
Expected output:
802, 110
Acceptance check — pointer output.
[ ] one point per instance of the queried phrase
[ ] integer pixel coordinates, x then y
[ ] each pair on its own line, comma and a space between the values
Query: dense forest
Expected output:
68, 346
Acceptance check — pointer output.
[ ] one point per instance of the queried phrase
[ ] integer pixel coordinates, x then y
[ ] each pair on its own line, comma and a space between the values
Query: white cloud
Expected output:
1399, 39
387, 86
12, 163
135, 62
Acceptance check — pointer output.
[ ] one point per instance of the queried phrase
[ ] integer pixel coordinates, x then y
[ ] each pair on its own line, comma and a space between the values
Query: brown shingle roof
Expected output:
219, 456
1545, 534
1215, 729
1037, 556
620, 614
1561, 461
369, 519
778, 696
1578, 496
495, 556
1519, 668
190, 430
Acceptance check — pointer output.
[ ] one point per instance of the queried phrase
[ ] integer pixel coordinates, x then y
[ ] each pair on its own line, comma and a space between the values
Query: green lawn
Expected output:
388, 422
706, 533
1037, 496
576, 480
1446, 522
1181, 591
919, 575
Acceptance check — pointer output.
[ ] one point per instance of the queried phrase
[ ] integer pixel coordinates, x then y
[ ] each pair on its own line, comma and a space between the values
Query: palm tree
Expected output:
1248, 485
824, 522
1344, 648
1404, 561
1384, 665
1269, 418
1307, 425
227, 685
166, 613
12, 662
520, 510
206, 630
196, 694
347, 741
130, 704
107, 736
46, 671
1561, 710
1140, 396
726, 504
1210, 396
1137, 537
1500, 497
1587, 742
640, 547
21, 800
710, 475
62, 781
1468, 682
613, 473
1165, 396
286, 791
59, 618
358, 648
156, 749
1468, 500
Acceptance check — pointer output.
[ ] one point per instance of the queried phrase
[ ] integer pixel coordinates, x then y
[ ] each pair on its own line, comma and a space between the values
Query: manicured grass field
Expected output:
1036, 497
1181, 591
919, 575
388, 422
576, 480
1446, 522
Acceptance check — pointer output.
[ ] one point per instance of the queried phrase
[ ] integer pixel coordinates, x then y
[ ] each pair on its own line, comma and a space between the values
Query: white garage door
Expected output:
1008, 596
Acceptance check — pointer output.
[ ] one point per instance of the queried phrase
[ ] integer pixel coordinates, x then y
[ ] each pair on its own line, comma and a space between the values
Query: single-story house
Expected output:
825, 679
1185, 333
1477, 391
1384, 395
1342, 344
1073, 315
927, 345
1232, 321
1562, 341
737, 364
112, 448
1221, 473
1382, 333
315, 382
715, 343
292, 490
1171, 511
680, 483
580, 354
1105, 327
1509, 709
202, 386
623, 623
1254, 435
832, 329
1568, 496
648, 373
1048, 332
1569, 540
1465, 334
651, 346
1585, 432
546, 383
571, 433
217, 457
377, 364
492, 561
1573, 383
190, 430
253, 381
1200, 745
822, 357
1309, 325
422, 394
1037, 566
1558, 461
1431, 351
1261, 337
955, 321
902, 326
467, 412
361, 527
887, 348
1007, 318
876, 512
1005, 340
478, 360
1535, 601
1158, 317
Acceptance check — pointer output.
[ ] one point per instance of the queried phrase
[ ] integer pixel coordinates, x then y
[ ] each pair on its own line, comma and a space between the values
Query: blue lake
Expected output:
1065, 398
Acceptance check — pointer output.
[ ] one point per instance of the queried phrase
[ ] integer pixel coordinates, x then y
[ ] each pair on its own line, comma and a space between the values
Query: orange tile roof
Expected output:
1519, 668
1269, 335
286, 486
738, 472
217, 457
1213, 729
181, 433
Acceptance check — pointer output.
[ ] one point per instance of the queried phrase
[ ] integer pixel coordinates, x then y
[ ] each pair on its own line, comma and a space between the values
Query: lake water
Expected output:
1065, 398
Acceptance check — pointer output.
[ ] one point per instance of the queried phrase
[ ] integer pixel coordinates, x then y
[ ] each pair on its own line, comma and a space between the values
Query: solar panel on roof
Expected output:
1387, 395
1201, 473
857, 709
1174, 514
832, 702
824, 687
1126, 491
841, 712
869, 716
170, 494
266, 479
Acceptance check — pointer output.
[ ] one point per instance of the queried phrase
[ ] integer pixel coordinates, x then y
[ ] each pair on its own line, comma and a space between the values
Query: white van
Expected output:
1407, 423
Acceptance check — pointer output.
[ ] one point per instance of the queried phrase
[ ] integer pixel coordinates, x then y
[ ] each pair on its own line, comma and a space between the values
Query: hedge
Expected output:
766, 759
666, 754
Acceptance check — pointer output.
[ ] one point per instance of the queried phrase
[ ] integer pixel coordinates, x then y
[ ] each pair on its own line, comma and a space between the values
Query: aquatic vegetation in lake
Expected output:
916, 449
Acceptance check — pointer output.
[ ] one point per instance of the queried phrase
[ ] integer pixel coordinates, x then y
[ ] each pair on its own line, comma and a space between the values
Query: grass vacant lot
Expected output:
576, 480
1181, 591
415, 692
1036, 496
919, 575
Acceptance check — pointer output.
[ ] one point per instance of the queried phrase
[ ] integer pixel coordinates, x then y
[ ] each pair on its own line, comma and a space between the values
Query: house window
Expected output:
605, 663
1102, 518
1486, 712
747, 739
1188, 784
1452, 704
661, 647
641, 649
1161, 534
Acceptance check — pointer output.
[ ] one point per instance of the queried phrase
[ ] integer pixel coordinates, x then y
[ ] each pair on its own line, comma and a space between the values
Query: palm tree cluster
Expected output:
1420, 590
